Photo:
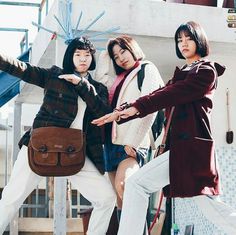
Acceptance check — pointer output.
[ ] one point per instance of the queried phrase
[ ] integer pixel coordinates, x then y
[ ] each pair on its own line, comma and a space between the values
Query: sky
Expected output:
17, 17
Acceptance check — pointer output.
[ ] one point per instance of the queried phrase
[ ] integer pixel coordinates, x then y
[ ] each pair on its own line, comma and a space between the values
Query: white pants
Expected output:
89, 182
151, 178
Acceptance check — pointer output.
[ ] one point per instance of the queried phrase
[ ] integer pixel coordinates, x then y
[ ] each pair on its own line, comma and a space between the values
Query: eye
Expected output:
122, 51
115, 57
179, 40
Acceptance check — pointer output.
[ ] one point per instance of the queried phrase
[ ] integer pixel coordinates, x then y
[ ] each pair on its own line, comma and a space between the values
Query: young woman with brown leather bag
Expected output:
72, 99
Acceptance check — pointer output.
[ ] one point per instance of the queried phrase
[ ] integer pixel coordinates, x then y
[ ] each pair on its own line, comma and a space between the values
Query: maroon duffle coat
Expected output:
193, 168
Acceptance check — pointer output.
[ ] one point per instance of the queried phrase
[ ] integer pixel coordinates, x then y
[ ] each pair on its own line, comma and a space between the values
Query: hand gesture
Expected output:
71, 78
130, 151
110, 117
131, 111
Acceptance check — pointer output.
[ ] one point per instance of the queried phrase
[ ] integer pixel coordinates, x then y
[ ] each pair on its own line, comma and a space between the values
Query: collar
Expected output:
79, 75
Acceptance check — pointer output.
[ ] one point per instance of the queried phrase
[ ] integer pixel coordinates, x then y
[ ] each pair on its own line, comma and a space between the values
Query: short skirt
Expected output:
114, 154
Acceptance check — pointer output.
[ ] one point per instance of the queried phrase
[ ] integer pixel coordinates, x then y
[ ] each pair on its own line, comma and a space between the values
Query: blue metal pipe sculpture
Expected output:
66, 25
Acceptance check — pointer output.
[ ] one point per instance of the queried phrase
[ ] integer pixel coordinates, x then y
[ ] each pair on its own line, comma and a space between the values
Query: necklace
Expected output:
189, 66
193, 63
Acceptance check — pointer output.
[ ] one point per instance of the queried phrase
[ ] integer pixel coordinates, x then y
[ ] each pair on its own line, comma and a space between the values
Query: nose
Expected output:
121, 58
184, 42
82, 59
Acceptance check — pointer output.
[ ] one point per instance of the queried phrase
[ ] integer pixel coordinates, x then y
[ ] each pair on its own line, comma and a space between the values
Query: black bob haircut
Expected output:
197, 34
81, 43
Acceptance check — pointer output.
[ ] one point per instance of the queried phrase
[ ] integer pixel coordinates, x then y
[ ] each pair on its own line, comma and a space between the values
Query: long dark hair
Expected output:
197, 34
126, 43
81, 43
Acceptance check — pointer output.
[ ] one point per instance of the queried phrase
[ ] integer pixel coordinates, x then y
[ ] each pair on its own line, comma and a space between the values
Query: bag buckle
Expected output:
70, 149
162, 146
43, 148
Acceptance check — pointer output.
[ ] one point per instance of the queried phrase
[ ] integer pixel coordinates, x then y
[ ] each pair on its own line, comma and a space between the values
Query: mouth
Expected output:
125, 63
184, 50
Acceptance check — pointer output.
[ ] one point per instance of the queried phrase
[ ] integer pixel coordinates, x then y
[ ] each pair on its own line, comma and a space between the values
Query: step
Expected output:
47, 233
44, 226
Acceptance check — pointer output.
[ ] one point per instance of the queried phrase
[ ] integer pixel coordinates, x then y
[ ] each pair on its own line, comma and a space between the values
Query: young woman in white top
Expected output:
127, 145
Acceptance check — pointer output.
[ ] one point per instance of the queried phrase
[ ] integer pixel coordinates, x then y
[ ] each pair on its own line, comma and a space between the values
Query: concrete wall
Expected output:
154, 18
43, 38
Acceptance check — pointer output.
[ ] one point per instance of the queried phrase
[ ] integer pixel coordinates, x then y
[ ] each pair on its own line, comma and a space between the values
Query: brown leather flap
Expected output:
45, 159
57, 139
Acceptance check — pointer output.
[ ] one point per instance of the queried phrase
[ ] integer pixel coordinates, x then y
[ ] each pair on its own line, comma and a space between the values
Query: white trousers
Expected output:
151, 178
89, 182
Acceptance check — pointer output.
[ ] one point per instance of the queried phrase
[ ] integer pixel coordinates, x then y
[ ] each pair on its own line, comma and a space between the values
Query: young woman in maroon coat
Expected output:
188, 167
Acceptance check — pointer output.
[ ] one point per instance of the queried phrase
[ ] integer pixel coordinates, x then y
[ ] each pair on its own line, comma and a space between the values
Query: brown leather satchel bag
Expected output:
56, 151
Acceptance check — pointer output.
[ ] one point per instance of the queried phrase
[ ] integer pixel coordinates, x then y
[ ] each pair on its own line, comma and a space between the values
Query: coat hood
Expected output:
220, 69
216, 66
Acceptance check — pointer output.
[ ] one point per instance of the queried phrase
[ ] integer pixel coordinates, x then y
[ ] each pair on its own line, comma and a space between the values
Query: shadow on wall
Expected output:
213, 3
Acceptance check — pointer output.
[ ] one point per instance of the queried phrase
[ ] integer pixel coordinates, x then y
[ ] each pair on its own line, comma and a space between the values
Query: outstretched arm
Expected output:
25, 71
110, 117
116, 116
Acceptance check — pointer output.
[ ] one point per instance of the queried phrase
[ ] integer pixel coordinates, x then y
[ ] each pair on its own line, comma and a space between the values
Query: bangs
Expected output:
78, 49
186, 33
185, 30
85, 47
83, 43
124, 44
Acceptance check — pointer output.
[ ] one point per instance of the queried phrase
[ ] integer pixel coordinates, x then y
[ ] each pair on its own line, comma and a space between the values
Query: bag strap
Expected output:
162, 146
141, 75
161, 196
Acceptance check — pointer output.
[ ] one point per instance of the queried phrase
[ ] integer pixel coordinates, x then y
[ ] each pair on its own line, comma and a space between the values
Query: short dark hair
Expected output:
80, 43
127, 43
197, 34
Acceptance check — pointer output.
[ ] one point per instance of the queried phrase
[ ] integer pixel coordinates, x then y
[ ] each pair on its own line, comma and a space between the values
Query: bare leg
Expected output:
112, 176
125, 169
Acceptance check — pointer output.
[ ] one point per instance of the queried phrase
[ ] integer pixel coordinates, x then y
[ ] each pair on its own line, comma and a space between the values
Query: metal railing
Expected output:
24, 43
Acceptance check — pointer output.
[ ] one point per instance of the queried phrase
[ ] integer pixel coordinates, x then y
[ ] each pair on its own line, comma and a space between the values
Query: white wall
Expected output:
43, 38
154, 18
225, 54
